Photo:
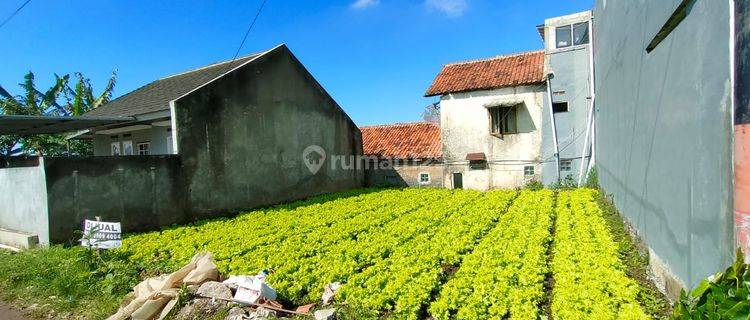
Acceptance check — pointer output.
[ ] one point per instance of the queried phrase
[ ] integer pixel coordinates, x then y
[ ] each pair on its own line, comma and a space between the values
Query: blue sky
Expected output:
375, 57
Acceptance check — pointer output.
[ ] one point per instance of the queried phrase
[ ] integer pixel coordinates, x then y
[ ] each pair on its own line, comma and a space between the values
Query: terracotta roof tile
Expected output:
419, 140
505, 71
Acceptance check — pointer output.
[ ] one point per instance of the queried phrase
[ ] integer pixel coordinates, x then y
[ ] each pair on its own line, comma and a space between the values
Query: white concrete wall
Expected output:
23, 201
465, 126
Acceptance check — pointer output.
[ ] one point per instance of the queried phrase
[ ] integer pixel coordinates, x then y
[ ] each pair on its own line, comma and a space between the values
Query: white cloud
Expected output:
362, 4
452, 8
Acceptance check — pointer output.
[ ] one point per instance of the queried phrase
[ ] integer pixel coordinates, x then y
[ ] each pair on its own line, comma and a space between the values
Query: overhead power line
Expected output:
14, 13
252, 24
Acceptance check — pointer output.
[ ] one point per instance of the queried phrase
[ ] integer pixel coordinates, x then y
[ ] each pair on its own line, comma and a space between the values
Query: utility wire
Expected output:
14, 13
252, 24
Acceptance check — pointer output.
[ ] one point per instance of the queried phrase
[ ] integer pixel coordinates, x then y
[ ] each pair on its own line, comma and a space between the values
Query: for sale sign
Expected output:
101, 235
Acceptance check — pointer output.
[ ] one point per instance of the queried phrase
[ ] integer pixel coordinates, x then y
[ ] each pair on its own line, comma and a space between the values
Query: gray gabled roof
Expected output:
156, 95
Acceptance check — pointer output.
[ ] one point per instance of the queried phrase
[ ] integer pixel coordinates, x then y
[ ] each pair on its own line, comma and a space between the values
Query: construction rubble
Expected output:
196, 291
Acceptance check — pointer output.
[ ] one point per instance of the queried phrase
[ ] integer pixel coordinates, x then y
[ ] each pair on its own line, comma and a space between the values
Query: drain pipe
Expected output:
590, 119
552, 124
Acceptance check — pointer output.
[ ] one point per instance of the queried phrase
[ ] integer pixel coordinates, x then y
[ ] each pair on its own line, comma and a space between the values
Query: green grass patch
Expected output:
66, 281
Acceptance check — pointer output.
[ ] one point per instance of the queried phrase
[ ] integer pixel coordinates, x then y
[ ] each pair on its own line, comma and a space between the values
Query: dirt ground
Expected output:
8, 313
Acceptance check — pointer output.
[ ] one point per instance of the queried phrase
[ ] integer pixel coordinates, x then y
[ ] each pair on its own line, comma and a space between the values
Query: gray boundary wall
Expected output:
664, 129
23, 197
143, 193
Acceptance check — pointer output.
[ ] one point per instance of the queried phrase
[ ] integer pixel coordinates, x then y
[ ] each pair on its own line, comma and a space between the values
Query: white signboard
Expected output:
101, 235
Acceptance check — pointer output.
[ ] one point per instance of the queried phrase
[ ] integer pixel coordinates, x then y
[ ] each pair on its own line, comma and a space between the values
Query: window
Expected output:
558, 107
580, 33
503, 120
565, 165
144, 148
424, 178
528, 171
563, 36
127, 148
572, 35
115, 148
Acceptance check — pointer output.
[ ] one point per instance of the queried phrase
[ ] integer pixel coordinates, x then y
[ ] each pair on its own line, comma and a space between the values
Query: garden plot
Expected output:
421, 253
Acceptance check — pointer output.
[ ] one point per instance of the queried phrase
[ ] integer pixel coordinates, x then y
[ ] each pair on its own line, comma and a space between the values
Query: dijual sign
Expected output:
101, 235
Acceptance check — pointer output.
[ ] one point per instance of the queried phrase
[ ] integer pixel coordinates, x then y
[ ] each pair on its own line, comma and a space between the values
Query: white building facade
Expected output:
491, 121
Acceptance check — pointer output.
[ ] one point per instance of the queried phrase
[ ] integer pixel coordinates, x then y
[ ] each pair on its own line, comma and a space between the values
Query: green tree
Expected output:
78, 100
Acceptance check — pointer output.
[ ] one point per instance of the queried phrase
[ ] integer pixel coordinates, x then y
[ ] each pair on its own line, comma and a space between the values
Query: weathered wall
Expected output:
465, 128
144, 193
742, 127
405, 175
156, 135
570, 84
23, 197
241, 137
664, 129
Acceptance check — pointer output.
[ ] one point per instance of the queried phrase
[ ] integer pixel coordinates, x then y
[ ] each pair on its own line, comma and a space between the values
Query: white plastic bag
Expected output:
251, 289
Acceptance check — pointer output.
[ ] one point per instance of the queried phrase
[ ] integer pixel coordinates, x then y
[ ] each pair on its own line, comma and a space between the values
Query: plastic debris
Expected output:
251, 289
153, 294
330, 291
306, 308
325, 314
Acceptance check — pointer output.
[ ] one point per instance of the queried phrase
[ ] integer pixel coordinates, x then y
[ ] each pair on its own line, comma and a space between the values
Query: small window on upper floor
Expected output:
558, 107
572, 35
503, 120
580, 33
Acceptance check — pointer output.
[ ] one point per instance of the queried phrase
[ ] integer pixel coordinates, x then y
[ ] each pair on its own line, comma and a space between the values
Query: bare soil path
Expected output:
8, 313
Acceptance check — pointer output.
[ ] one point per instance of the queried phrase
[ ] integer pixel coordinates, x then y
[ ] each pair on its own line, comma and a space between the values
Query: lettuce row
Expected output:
402, 284
504, 276
590, 280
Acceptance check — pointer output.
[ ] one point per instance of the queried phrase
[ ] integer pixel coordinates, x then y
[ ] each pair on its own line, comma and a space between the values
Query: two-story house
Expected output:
491, 120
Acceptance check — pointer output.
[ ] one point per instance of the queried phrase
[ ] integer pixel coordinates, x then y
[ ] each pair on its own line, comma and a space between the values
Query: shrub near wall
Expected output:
589, 279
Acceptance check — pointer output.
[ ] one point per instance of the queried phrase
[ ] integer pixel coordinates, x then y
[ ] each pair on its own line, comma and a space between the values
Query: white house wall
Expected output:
156, 135
465, 126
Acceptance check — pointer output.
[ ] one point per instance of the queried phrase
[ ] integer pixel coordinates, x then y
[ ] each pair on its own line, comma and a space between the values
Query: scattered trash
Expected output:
213, 289
262, 314
330, 291
252, 289
152, 295
306, 308
325, 314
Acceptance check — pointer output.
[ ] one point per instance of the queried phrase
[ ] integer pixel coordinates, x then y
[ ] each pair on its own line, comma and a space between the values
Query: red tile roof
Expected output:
419, 140
505, 71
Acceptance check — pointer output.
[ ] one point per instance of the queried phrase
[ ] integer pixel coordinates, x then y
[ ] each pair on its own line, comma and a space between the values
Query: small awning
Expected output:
503, 103
479, 156
31, 125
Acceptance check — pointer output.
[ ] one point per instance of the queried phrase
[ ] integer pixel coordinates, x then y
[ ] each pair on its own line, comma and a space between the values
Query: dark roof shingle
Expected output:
156, 95
505, 71
419, 140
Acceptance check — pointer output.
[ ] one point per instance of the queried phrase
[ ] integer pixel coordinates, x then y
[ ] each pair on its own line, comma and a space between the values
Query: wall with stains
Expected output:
465, 128
664, 129
241, 141
143, 193
742, 127
23, 197
242, 137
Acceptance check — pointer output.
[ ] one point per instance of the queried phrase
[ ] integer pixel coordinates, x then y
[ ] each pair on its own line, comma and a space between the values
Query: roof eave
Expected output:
440, 93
